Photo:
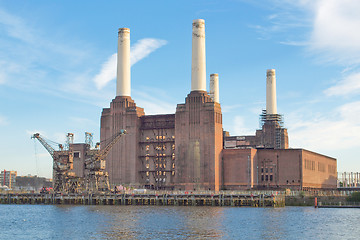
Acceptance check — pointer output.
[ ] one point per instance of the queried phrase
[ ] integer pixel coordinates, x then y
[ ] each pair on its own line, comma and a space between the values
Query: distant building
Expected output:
8, 178
32, 182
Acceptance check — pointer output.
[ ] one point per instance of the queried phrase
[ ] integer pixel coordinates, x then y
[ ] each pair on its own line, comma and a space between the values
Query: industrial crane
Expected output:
64, 179
96, 178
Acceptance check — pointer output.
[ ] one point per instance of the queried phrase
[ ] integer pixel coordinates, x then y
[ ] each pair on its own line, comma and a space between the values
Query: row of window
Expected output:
157, 180
159, 147
267, 178
321, 167
159, 173
159, 165
267, 170
160, 138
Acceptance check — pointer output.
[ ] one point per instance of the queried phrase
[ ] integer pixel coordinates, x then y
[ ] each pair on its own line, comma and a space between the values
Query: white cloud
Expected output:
2, 78
15, 27
144, 47
59, 137
335, 30
3, 121
34, 57
107, 73
326, 29
154, 101
347, 86
239, 127
325, 132
139, 51
230, 108
332, 27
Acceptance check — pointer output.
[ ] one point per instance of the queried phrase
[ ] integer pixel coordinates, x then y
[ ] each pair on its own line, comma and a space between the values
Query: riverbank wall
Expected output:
231, 200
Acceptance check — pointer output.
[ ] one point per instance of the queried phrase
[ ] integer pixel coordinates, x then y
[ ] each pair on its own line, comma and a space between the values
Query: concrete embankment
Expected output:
310, 200
233, 200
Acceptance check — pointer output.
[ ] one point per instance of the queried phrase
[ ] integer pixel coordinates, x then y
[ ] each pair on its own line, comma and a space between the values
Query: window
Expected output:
332, 169
321, 167
310, 165
262, 177
147, 165
147, 147
147, 138
76, 154
262, 170
271, 178
147, 173
266, 178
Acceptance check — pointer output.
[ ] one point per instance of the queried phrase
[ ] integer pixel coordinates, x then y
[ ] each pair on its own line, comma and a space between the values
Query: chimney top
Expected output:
198, 21
270, 72
123, 30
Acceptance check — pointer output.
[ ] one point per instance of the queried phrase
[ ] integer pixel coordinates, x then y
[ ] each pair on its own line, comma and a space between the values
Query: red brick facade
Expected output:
278, 169
198, 131
122, 163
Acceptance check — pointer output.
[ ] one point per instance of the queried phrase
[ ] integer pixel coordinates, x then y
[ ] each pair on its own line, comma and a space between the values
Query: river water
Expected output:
159, 222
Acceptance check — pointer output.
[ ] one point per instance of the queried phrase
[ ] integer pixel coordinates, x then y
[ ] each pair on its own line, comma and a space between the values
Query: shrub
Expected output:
355, 197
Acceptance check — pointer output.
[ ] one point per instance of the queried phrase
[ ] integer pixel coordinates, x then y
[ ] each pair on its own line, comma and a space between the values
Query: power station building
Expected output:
189, 150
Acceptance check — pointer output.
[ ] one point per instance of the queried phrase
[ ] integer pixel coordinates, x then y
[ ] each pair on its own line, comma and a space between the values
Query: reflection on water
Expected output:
159, 222
155, 222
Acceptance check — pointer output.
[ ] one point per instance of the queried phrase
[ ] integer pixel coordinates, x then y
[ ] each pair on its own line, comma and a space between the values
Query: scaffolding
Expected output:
276, 122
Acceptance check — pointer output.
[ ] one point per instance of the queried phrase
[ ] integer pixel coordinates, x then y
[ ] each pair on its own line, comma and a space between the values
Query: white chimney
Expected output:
214, 87
271, 92
198, 64
123, 63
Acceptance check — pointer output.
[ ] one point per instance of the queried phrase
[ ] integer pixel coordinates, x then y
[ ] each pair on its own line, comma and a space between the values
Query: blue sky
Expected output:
57, 68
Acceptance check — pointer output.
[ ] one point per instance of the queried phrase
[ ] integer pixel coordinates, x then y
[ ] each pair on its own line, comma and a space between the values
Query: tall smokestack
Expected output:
198, 64
123, 63
271, 92
214, 87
